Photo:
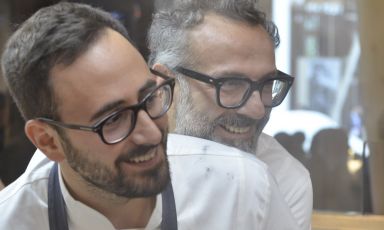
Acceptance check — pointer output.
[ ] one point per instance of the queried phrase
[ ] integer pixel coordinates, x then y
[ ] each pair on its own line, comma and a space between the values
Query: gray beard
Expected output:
192, 122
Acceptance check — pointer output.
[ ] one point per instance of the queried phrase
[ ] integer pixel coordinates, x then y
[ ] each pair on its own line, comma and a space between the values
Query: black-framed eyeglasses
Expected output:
120, 124
234, 92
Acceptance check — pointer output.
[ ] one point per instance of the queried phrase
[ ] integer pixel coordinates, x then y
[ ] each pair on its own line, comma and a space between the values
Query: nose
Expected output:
146, 131
254, 107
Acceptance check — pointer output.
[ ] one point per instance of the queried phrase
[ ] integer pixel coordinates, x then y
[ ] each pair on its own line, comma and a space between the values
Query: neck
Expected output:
122, 212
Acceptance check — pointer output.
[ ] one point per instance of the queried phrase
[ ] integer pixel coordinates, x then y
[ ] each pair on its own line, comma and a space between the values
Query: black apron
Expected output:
57, 212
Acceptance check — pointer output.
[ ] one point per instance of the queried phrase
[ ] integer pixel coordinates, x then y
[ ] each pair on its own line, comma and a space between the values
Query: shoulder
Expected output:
201, 153
211, 179
279, 160
26, 195
182, 145
292, 178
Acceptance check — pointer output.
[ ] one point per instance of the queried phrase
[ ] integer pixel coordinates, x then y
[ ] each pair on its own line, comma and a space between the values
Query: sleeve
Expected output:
302, 205
278, 213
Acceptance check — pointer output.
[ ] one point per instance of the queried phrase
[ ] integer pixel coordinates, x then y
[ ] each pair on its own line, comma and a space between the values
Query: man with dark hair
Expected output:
222, 54
92, 107
96, 115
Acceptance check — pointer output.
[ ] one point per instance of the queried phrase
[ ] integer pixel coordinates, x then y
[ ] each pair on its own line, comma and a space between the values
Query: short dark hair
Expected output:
54, 35
168, 39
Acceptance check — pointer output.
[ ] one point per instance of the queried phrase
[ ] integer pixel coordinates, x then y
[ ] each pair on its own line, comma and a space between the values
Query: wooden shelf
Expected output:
340, 221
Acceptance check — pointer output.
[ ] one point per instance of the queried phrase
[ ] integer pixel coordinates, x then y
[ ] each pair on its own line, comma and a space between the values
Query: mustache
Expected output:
236, 120
136, 152
142, 149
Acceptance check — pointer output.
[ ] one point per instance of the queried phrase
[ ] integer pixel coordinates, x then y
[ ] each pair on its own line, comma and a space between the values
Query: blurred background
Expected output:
332, 120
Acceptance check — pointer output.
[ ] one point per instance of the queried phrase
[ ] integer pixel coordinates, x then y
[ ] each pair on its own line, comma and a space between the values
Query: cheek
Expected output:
206, 110
91, 144
204, 98
84, 140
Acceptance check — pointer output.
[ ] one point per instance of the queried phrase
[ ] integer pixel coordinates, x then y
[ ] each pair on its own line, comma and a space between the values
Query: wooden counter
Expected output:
340, 221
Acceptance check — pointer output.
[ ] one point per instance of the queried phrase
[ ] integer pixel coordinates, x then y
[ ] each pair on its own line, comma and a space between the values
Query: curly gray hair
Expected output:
167, 37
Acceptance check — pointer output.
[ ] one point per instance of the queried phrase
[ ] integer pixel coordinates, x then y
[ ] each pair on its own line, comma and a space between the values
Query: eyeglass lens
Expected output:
235, 91
121, 124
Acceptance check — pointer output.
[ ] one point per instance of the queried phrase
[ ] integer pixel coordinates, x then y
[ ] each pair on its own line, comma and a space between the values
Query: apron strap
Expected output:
169, 216
57, 212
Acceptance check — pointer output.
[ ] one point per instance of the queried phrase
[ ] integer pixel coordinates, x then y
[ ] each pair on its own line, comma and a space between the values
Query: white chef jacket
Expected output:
215, 187
292, 178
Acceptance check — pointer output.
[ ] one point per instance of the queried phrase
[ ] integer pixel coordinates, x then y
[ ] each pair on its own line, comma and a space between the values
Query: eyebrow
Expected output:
113, 105
146, 88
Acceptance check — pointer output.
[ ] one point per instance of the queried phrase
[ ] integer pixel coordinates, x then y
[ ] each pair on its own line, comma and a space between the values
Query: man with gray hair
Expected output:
222, 54
97, 115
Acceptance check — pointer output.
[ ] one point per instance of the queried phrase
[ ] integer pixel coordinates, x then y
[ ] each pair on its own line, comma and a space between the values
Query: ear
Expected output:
171, 113
45, 138
163, 69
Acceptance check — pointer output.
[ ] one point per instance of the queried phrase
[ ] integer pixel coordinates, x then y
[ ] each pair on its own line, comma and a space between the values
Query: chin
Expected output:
245, 144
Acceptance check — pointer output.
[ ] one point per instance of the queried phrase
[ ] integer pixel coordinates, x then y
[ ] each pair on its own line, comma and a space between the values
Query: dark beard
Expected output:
100, 177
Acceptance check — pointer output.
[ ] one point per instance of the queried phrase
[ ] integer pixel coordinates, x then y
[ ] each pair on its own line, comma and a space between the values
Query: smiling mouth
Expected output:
143, 158
236, 129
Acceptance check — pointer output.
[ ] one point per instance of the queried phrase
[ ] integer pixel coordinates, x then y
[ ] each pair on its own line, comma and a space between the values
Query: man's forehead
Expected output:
110, 73
217, 30
146, 88
231, 45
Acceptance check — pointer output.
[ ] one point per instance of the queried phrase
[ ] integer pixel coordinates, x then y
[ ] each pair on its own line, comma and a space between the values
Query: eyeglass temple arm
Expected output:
286, 76
195, 75
70, 126
157, 73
